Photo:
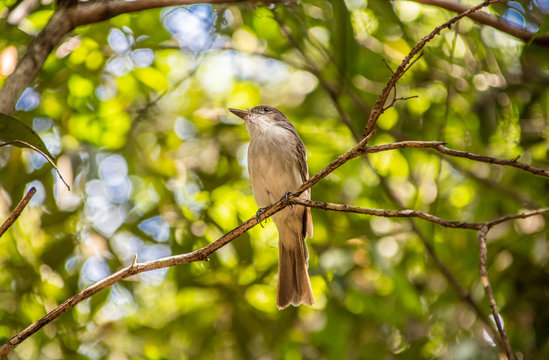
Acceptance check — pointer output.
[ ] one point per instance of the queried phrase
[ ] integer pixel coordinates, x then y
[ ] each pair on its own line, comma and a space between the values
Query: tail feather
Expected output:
294, 286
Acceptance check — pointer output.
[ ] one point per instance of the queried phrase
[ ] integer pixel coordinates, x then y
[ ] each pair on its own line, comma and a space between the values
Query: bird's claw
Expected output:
286, 199
258, 214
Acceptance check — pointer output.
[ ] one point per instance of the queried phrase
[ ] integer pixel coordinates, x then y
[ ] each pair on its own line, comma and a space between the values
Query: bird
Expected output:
277, 164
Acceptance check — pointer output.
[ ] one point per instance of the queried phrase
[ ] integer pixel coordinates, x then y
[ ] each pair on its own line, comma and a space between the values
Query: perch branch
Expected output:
198, 255
136, 268
482, 228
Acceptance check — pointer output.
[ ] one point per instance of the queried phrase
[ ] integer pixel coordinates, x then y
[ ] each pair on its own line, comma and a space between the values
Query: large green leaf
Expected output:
15, 132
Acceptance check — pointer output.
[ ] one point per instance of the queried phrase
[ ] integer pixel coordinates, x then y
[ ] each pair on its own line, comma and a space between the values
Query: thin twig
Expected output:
439, 146
17, 211
483, 253
407, 213
49, 159
491, 160
378, 108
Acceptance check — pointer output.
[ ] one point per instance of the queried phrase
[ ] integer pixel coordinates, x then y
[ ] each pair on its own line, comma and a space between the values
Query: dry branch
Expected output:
440, 147
17, 211
98, 11
334, 95
379, 106
483, 253
136, 268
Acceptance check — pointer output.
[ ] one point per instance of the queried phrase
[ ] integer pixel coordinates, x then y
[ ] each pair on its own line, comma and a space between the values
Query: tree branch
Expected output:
17, 211
379, 108
439, 146
491, 160
31, 63
484, 18
64, 20
407, 213
136, 268
96, 11
202, 254
482, 228
483, 253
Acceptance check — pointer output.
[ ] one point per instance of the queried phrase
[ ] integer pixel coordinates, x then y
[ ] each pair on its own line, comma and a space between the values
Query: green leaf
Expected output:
15, 132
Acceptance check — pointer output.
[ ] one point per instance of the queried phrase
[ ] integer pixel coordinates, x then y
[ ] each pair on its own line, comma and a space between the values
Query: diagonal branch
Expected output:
17, 211
485, 18
378, 108
136, 268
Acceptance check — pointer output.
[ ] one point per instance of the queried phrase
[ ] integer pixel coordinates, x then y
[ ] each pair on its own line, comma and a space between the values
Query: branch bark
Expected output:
483, 253
484, 18
17, 211
482, 229
136, 268
439, 146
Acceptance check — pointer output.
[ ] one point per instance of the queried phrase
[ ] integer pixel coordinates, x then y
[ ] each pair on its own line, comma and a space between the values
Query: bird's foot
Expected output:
286, 199
258, 214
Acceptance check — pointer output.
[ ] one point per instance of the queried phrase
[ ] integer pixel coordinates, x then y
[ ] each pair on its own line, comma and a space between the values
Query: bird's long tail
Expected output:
294, 286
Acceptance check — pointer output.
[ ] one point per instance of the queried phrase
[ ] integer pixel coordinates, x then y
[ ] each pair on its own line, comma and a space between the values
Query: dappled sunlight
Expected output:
134, 110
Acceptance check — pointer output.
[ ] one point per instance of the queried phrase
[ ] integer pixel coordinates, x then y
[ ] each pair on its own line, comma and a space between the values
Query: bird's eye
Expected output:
266, 109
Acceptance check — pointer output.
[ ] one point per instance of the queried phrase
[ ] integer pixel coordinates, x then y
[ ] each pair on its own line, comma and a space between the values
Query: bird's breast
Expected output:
273, 167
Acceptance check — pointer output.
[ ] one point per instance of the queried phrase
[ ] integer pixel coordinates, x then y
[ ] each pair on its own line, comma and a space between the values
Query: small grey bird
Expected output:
277, 164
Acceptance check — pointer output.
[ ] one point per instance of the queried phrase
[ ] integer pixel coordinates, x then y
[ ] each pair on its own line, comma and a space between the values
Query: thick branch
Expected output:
65, 19
17, 211
96, 11
484, 18
31, 63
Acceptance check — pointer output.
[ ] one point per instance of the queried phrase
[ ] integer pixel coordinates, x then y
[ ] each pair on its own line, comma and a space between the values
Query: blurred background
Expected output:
135, 111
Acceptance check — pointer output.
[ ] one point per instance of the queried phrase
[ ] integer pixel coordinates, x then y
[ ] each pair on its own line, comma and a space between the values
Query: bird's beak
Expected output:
243, 114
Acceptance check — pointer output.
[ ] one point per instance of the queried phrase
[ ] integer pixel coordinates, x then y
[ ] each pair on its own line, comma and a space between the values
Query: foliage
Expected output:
134, 109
